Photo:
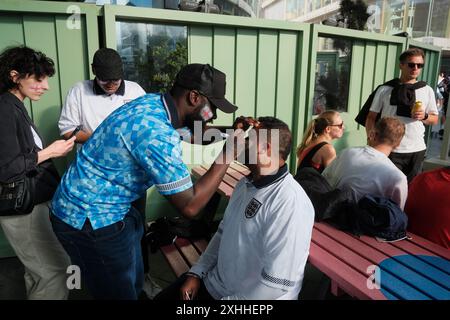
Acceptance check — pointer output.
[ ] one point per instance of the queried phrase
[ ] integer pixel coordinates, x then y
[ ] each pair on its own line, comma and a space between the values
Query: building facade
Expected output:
425, 20
246, 8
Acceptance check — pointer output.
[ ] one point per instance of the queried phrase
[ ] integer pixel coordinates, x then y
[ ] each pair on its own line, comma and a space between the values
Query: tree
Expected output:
352, 14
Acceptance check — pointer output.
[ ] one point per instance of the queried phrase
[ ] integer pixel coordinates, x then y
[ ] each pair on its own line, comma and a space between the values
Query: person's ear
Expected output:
14, 75
264, 147
194, 98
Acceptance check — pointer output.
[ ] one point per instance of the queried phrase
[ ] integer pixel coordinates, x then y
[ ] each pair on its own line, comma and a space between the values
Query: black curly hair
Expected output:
26, 62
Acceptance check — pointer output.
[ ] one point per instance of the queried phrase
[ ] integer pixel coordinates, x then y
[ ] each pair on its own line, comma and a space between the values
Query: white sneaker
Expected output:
151, 288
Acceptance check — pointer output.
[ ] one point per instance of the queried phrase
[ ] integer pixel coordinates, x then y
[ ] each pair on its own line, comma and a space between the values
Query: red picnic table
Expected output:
411, 269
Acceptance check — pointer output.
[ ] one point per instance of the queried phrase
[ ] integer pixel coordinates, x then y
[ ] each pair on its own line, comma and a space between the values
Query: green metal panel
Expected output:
12, 35
380, 65
286, 76
301, 109
73, 55
352, 136
369, 71
286, 108
12, 30
246, 68
267, 67
46, 110
392, 62
224, 60
200, 45
425, 71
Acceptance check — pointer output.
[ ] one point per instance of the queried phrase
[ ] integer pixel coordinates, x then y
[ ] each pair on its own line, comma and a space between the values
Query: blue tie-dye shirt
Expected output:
134, 148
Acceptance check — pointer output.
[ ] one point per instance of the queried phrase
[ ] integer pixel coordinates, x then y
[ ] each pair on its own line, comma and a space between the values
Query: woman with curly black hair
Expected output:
24, 73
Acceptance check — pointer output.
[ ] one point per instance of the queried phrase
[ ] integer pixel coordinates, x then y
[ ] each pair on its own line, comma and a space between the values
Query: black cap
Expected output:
107, 64
209, 81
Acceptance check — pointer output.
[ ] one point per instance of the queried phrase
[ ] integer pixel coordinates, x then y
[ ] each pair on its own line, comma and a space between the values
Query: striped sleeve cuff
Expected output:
275, 282
175, 187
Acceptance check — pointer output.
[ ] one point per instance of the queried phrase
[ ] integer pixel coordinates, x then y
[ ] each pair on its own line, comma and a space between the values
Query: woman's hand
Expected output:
59, 148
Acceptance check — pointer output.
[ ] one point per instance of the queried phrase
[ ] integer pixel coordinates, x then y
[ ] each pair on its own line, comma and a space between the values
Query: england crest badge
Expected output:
252, 208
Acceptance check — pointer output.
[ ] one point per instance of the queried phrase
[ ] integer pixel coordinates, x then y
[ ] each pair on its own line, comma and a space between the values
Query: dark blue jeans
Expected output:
110, 258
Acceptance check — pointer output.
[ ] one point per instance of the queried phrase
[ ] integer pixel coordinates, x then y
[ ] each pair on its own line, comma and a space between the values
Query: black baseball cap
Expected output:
209, 81
107, 64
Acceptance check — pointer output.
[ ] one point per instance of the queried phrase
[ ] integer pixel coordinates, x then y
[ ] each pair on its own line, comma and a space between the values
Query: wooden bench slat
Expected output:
394, 251
354, 283
175, 260
417, 273
187, 250
430, 246
369, 252
351, 242
200, 245
341, 252
235, 174
361, 264
240, 168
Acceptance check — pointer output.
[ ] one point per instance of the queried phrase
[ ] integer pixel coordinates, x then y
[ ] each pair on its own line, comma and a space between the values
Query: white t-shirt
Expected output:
413, 140
84, 107
37, 139
367, 171
262, 242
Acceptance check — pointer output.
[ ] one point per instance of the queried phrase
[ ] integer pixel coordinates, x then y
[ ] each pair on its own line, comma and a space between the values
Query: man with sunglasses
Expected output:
89, 102
136, 147
412, 102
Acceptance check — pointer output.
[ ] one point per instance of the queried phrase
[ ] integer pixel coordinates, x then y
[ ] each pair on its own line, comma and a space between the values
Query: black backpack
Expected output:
373, 216
324, 198
165, 230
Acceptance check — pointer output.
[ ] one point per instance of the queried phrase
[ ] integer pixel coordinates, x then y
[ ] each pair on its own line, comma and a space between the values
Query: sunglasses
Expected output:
340, 125
413, 65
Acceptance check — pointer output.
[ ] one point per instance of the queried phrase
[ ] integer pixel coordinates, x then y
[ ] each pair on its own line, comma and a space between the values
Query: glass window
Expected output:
152, 53
420, 26
332, 74
440, 18
294, 8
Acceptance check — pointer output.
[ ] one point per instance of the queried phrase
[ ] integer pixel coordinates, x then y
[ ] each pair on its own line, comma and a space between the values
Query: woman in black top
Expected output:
24, 74
316, 149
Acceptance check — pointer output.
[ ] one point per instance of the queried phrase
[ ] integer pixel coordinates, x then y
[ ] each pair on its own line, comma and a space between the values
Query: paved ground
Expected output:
12, 285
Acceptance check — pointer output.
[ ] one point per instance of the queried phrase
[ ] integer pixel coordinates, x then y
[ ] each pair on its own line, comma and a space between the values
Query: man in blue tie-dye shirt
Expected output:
136, 147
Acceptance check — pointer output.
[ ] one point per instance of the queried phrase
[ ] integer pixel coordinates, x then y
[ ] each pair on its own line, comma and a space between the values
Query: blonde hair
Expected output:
315, 128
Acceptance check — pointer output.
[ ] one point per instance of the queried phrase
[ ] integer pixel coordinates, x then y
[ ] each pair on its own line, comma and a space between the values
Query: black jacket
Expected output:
18, 151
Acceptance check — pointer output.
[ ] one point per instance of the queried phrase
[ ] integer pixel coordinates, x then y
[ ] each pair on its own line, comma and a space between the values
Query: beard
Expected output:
196, 126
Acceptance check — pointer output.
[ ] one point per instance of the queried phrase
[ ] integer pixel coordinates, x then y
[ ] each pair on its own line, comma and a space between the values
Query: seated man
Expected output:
428, 206
261, 246
368, 170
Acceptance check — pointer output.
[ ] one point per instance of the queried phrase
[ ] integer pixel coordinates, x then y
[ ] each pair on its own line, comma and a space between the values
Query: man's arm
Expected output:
189, 202
430, 115
81, 136
71, 116
370, 121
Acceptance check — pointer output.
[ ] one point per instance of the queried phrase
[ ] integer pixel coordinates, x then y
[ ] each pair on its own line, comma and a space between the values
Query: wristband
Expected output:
426, 116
